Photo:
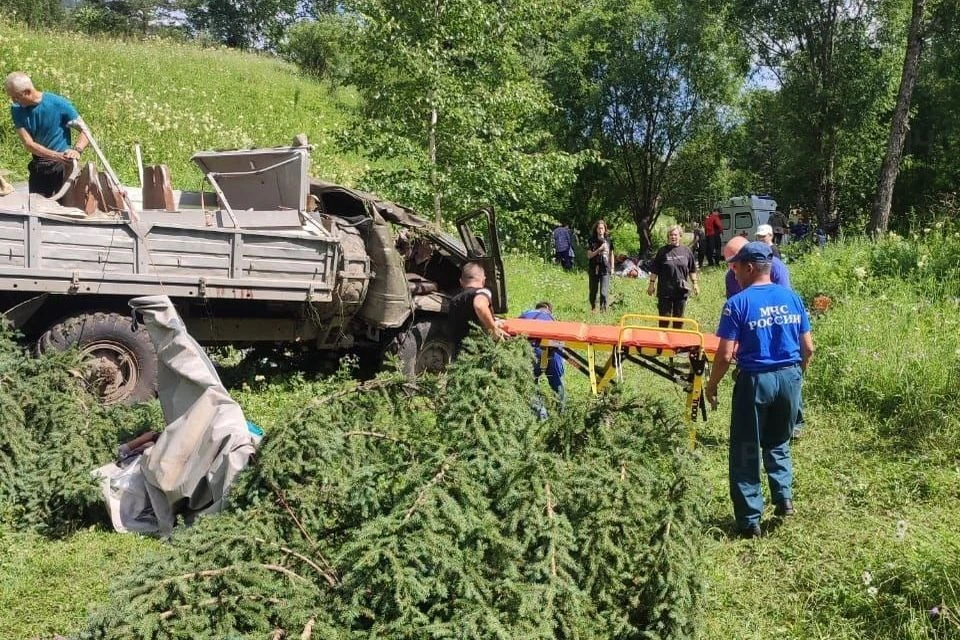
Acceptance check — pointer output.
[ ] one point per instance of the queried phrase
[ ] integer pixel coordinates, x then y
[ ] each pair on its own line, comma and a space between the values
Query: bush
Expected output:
52, 435
35, 13
322, 48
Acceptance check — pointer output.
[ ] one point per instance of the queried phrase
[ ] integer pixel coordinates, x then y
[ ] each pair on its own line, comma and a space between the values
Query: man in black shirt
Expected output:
474, 304
670, 270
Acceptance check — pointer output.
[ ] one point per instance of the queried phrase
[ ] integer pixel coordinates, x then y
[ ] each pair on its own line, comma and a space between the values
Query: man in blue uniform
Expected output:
40, 119
768, 326
554, 370
779, 274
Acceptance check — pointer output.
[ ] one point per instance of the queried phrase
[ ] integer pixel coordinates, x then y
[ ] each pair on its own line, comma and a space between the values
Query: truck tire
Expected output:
123, 362
426, 347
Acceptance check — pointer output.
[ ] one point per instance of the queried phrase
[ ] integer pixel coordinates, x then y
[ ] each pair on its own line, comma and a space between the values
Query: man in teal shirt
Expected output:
41, 120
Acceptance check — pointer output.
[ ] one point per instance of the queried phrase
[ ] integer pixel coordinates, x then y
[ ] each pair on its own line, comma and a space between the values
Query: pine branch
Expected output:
211, 573
553, 548
169, 613
329, 577
422, 496
363, 387
306, 534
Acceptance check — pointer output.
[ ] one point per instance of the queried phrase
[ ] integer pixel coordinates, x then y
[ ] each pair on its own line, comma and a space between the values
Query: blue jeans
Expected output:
762, 419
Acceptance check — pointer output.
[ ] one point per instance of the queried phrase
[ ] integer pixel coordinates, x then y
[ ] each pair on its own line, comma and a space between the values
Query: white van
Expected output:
744, 214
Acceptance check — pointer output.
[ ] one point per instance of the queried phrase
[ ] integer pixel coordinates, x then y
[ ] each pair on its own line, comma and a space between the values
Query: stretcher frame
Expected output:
600, 353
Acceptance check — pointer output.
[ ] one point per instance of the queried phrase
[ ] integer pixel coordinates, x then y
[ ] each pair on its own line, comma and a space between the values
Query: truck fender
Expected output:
20, 314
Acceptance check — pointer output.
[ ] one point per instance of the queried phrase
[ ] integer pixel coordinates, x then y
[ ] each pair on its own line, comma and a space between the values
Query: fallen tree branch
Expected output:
210, 573
329, 577
422, 496
169, 613
308, 629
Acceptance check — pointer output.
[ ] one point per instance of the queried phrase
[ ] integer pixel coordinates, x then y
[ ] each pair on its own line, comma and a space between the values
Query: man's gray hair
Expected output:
18, 82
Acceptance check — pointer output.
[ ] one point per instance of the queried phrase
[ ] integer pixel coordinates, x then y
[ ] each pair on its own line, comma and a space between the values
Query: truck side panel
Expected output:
41, 253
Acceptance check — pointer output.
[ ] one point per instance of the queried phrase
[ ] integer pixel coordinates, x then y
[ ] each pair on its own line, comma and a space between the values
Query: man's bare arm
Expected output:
721, 363
806, 350
36, 148
482, 306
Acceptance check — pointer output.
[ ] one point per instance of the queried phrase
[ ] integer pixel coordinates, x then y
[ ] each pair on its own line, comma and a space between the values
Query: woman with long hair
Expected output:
600, 255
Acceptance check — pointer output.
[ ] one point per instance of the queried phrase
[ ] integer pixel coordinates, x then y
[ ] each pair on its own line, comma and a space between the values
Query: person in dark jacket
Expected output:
673, 273
563, 246
600, 255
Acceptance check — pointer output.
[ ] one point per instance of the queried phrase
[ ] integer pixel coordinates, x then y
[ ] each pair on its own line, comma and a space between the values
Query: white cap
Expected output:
764, 230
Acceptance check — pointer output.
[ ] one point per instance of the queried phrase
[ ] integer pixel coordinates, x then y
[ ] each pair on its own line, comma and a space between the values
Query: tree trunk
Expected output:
826, 207
880, 216
432, 143
644, 217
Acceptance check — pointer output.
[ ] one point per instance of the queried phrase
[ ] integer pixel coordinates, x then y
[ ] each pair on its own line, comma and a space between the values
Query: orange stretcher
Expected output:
677, 354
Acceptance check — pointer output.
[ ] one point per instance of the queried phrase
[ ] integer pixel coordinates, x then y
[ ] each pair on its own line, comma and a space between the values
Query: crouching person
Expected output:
554, 361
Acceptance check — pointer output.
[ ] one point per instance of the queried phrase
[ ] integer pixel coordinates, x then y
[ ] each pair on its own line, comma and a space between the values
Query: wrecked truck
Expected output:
267, 256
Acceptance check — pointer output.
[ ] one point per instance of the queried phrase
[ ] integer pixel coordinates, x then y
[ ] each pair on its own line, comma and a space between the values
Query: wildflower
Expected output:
867, 578
939, 225
872, 592
860, 272
901, 529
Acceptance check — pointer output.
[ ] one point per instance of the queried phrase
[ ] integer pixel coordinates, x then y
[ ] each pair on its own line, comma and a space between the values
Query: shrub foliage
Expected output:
439, 508
53, 433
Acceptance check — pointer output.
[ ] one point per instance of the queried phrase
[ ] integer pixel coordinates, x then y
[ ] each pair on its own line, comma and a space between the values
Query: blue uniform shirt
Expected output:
555, 360
766, 321
46, 122
778, 275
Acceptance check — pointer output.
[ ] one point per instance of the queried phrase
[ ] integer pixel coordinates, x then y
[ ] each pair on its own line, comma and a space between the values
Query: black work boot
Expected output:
784, 508
753, 531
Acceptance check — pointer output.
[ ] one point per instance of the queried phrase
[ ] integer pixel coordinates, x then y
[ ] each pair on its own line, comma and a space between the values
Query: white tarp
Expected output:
206, 442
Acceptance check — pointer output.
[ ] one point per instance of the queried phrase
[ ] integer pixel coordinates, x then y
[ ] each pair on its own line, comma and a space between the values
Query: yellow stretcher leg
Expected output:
592, 368
609, 372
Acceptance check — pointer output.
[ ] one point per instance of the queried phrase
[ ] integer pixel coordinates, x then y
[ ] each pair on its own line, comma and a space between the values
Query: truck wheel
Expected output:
123, 362
426, 347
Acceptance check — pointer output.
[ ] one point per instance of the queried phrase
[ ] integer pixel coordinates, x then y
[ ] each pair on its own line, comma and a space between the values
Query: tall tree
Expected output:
637, 80
241, 24
880, 215
832, 60
450, 107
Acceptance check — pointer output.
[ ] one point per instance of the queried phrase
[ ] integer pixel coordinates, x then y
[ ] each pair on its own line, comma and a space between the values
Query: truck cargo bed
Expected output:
50, 253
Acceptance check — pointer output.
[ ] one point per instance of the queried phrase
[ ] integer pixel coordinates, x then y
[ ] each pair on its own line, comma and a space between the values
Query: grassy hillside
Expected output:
174, 100
873, 551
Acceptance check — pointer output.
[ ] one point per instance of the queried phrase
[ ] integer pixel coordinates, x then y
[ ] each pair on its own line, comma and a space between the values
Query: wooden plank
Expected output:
221, 263
92, 270
93, 255
272, 268
184, 244
86, 236
11, 231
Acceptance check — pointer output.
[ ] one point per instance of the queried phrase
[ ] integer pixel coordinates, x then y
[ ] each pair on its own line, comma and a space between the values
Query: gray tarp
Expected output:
205, 444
